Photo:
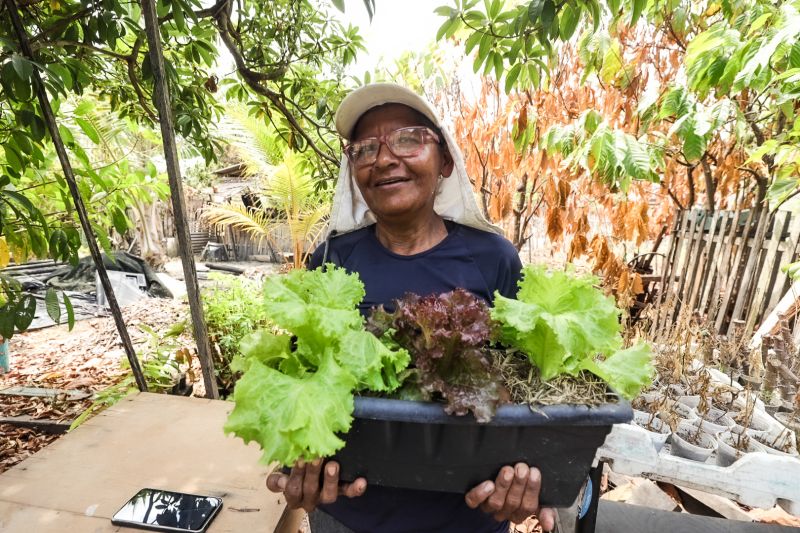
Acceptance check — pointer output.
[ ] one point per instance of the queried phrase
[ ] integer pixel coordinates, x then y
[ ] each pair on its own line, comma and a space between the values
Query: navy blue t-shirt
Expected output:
475, 260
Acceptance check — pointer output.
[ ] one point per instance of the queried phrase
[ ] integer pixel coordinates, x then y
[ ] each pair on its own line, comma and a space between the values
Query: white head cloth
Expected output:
454, 198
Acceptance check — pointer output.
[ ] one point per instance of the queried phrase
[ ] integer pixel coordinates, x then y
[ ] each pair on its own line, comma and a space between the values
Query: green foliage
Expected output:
93, 58
296, 395
162, 359
566, 325
518, 41
613, 156
233, 309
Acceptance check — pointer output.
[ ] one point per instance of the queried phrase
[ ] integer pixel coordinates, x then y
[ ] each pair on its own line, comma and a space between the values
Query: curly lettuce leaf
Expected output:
563, 323
373, 364
626, 371
297, 390
316, 306
292, 417
446, 335
267, 348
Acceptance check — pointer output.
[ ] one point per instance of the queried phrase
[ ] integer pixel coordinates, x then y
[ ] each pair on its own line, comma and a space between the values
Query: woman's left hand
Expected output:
514, 496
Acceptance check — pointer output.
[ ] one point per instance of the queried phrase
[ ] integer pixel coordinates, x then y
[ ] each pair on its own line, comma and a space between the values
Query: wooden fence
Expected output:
725, 266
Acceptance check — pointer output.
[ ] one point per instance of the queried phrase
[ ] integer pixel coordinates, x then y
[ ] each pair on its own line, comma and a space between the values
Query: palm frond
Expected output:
254, 223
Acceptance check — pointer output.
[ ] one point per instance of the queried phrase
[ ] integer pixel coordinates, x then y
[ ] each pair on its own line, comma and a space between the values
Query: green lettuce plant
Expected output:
297, 390
566, 325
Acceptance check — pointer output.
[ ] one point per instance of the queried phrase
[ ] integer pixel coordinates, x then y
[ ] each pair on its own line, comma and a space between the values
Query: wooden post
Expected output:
80, 208
162, 100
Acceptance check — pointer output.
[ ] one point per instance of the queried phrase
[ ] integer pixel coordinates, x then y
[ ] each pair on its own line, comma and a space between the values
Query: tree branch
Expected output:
254, 79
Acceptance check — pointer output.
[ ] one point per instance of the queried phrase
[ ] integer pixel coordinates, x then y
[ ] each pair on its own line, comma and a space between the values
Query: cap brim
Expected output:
365, 98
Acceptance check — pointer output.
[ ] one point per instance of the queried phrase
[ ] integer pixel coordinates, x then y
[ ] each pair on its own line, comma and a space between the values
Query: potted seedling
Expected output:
419, 400
732, 446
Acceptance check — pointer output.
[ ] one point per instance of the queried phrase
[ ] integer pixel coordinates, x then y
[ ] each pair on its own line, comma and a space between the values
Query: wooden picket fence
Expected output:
725, 266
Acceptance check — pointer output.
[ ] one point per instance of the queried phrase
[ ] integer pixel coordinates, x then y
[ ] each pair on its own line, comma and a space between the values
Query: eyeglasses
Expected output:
404, 142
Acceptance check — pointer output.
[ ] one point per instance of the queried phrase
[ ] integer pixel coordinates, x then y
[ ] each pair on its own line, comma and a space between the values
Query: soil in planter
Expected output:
524, 385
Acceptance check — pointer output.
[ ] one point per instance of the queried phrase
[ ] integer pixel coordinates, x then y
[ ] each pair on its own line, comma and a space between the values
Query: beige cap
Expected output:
365, 98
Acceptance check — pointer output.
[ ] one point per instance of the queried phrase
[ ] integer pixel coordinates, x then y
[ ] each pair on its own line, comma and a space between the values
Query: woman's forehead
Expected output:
387, 116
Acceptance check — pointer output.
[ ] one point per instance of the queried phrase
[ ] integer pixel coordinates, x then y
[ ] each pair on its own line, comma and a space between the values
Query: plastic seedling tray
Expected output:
416, 445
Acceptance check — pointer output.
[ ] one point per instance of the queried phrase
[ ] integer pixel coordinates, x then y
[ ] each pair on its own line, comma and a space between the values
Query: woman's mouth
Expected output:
386, 182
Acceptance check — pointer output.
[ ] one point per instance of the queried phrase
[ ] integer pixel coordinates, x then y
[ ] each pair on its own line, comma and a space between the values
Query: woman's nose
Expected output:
385, 156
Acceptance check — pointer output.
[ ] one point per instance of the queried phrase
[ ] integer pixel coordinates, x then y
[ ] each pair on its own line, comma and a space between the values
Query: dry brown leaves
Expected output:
17, 444
87, 358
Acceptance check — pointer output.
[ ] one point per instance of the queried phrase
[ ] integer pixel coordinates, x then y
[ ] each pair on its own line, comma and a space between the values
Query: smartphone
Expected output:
163, 510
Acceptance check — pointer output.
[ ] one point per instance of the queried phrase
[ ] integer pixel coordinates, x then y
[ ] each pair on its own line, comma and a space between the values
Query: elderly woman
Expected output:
405, 218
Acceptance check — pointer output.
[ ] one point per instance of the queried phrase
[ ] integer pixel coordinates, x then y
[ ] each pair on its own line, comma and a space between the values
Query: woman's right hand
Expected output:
301, 487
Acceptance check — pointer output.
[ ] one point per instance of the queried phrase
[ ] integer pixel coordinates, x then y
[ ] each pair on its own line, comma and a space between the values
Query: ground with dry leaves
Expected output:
89, 358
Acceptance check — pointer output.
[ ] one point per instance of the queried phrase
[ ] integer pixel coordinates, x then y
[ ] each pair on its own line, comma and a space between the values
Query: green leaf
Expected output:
570, 16
52, 306
548, 14
794, 55
694, 146
535, 9
264, 347
88, 129
626, 371
119, 220
70, 311
636, 12
293, 418
558, 320
511, 76
22, 66
339, 4
24, 311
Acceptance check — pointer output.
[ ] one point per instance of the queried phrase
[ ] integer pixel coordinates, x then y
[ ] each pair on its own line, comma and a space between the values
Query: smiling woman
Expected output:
405, 219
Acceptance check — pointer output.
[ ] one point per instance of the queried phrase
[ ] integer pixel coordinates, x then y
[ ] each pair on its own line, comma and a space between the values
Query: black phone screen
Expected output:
162, 510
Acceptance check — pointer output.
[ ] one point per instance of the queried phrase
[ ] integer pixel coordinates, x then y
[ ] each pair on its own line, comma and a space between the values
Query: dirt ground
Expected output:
88, 358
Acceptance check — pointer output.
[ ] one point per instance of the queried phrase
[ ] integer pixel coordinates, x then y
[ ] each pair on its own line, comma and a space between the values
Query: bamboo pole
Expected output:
164, 106
69, 175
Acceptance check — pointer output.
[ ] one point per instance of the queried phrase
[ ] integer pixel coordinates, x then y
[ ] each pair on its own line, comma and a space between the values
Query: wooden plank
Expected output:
614, 517
681, 259
722, 506
696, 244
789, 255
710, 299
749, 270
668, 272
704, 265
767, 274
145, 440
732, 272
42, 424
40, 392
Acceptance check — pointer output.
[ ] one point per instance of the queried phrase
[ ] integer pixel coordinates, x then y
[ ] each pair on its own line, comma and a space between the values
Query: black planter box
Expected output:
399, 443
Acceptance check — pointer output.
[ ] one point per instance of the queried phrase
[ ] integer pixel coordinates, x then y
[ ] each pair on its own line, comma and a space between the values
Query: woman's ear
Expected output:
447, 162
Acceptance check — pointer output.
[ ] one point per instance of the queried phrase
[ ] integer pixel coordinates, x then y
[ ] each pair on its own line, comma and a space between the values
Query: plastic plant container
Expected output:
416, 445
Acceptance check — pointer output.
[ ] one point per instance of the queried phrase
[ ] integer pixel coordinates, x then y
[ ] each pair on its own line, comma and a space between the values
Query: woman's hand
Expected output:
514, 496
301, 487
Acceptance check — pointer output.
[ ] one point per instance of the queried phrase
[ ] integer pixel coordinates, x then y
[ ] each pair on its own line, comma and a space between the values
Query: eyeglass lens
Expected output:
404, 142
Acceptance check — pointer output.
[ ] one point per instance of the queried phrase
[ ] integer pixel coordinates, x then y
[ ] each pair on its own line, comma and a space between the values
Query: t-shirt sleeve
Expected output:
509, 271
316, 258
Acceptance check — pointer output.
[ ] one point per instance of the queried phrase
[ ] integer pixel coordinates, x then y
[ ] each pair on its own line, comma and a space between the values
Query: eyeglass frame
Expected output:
382, 140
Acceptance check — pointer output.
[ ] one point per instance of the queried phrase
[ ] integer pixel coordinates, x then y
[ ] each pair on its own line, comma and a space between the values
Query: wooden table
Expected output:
145, 440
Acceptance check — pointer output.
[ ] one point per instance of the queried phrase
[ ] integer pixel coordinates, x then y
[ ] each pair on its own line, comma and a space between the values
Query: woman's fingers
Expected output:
354, 489
547, 518
479, 494
496, 501
276, 481
529, 504
330, 483
293, 491
311, 485
512, 507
